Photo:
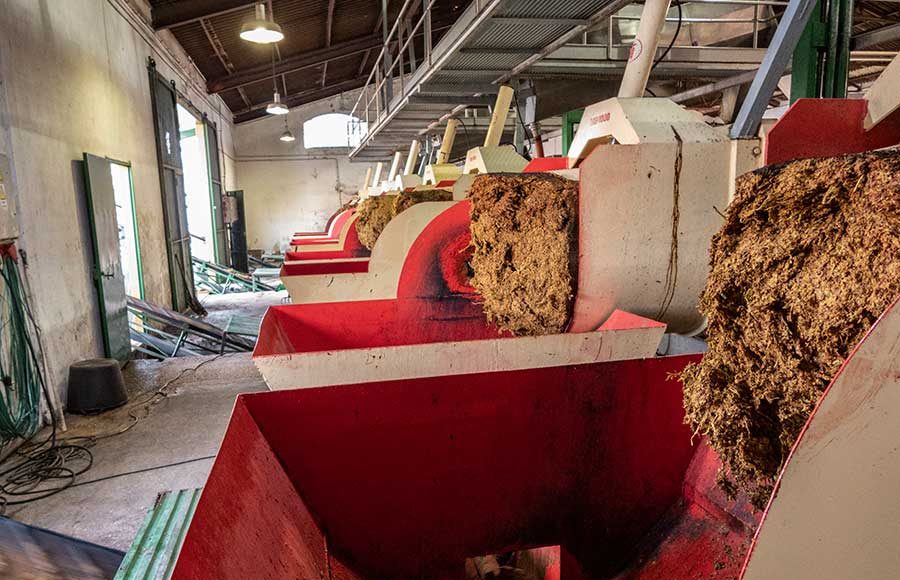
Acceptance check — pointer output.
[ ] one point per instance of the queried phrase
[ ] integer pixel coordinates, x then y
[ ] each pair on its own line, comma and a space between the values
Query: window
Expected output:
333, 130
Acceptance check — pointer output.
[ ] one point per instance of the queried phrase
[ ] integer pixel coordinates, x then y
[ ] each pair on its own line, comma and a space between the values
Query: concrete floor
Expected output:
171, 445
222, 308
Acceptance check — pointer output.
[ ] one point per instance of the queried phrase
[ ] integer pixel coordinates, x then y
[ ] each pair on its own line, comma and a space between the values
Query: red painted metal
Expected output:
297, 328
825, 128
454, 261
325, 231
621, 320
332, 235
328, 262
310, 268
353, 248
425, 275
544, 164
405, 479
422, 276
703, 535
428, 308
252, 501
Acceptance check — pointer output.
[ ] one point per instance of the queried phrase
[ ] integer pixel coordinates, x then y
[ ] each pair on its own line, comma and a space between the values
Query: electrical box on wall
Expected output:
229, 210
9, 228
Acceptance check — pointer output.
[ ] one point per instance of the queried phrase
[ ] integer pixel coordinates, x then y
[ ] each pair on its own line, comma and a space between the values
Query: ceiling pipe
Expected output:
498, 118
411, 158
447, 141
365, 188
395, 166
376, 181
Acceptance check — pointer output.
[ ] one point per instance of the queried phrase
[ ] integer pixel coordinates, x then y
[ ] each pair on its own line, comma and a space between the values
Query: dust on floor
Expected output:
142, 449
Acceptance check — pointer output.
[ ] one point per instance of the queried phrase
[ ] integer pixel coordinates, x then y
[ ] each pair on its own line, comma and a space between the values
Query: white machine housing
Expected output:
650, 202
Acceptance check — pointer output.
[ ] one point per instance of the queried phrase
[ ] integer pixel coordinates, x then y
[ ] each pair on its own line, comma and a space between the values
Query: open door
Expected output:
171, 174
237, 231
220, 234
107, 269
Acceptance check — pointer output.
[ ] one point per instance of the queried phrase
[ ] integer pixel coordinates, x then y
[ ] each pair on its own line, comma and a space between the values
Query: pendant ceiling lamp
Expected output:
287, 136
276, 107
261, 30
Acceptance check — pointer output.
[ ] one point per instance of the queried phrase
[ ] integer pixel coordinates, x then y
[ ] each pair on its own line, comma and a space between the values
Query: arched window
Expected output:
333, 130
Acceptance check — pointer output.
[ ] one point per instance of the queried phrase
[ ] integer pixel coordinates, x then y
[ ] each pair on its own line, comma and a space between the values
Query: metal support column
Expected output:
569, 121
822, 58
388, 85
806, 71
788, 33
837, 56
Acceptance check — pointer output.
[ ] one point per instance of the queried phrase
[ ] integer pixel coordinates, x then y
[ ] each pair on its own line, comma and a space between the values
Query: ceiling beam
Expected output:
453, 100
179, 13
305, 60
329, 23
463, 88
530, 21
716, 87
222, 55
303, 98
875, 37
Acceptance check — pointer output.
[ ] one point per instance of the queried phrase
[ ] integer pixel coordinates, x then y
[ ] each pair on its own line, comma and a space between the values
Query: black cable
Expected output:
147, 403
143, 470
465, 130
527, 152
36, 470
674, 38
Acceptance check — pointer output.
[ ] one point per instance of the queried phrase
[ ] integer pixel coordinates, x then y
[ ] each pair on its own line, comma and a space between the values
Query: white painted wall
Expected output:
286, 187
75, 80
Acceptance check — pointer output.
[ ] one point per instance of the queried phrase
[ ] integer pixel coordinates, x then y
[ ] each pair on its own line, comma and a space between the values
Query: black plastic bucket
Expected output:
95, 385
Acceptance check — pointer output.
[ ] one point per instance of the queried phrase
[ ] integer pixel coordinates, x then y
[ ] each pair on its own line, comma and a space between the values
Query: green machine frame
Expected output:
821, 62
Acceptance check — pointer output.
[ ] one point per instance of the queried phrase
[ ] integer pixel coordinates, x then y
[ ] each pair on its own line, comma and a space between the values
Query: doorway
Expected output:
126, 220
192, 139
114, 241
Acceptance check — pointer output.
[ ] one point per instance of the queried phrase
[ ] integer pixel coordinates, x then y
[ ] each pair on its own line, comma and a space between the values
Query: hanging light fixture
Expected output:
287, 136
261, 30
276, 107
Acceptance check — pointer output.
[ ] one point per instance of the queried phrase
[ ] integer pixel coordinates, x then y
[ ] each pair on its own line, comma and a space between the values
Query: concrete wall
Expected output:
74, 74
286, 187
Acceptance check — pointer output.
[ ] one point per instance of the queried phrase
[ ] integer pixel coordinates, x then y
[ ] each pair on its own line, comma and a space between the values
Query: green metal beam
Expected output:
569, 121
837, 63
806, 67
821, 61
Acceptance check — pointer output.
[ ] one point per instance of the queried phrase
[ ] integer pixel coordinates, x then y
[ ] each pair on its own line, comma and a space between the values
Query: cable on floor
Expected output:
145, 405
35, 470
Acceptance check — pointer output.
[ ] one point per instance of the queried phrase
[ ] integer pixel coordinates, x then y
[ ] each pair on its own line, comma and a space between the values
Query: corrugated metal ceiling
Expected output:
304, 25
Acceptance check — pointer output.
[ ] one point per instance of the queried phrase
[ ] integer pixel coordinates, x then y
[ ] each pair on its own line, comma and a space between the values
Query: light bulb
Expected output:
261, 30
276, 107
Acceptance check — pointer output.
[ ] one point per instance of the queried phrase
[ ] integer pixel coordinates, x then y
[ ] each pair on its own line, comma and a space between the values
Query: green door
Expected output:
171, 174
220, 235
107, 267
